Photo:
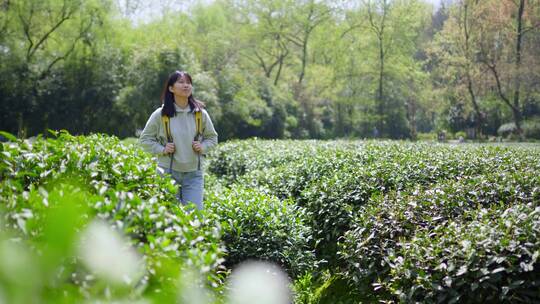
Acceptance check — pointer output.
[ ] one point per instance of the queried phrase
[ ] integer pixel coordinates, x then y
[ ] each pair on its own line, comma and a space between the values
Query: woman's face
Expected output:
182, 87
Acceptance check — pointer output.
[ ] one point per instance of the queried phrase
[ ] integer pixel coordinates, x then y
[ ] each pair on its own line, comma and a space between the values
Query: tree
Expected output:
455, 48
310, 14
502, 50
392, 37
265, 27
41, 34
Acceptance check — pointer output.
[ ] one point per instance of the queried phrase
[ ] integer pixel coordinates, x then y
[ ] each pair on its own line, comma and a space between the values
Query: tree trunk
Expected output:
380, 98
411, 111
21, 129
280, 65
479, 119
304, 58
470, 89
516, 109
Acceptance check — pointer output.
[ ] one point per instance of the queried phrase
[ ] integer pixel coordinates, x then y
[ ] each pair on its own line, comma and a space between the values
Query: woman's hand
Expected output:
169, 148
197, 146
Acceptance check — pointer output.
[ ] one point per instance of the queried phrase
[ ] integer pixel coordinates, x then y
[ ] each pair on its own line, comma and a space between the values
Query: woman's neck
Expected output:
181, 102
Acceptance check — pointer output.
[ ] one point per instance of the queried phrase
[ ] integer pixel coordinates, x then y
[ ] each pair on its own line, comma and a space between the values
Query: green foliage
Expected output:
531, 128
371, 204
350, 221
386, 227
481, 260
506, 129
259, 226
460, 134
51, 187
268, 69
8, 136
327, 289
431, 136
333, 179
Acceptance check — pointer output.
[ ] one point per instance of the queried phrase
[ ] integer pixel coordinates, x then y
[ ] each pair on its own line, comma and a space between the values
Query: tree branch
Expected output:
530, 28
262, 63
26, 30
84, 29
493, 70
351, 28
294, 40
65, 15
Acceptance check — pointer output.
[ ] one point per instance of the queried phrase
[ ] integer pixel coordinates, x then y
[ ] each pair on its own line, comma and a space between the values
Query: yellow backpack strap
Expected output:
198, 137
167, 126
198, 122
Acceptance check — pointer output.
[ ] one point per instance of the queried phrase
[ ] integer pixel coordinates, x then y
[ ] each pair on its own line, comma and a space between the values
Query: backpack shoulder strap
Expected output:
198, 122
166, 124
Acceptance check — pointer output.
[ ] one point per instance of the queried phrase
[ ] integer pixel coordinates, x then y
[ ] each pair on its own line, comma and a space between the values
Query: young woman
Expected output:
180, 153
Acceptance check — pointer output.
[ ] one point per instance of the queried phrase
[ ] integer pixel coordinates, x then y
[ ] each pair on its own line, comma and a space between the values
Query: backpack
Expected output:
198, 136
198, 125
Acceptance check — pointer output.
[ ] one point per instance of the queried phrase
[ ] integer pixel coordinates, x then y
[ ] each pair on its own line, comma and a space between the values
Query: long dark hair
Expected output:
167, 98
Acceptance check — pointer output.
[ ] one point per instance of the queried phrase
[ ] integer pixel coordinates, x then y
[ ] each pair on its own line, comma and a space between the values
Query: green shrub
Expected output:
119, 185
531, 128
395, 221
384, 230
327, 289
259, 226
506, 129
333, 200
367, 201
491, 258
288, 179
332, 180
431, 136
460, 134
233, 159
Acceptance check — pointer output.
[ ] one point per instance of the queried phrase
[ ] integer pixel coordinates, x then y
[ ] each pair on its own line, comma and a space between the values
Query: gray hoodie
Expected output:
183, 130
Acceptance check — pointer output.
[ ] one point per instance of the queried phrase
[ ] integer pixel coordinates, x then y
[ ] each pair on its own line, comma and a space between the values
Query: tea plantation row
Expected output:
52, 189
349, 221
408, 222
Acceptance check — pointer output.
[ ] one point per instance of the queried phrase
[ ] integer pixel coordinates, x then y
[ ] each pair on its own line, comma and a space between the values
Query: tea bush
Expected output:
371, 221
385, 230
236, 158
259, 226
120, 185
491, 258
369, 203
333, 179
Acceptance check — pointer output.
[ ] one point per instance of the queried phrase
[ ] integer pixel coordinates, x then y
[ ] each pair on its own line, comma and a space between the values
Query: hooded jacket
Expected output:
183, 130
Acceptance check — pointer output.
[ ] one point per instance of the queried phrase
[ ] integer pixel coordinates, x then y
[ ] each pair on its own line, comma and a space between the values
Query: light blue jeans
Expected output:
190, 186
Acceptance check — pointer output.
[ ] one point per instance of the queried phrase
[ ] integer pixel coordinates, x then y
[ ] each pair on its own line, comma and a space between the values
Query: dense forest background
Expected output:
275, 69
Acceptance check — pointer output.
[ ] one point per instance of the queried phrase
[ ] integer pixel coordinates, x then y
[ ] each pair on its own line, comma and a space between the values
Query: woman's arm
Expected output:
210, 136
149, 136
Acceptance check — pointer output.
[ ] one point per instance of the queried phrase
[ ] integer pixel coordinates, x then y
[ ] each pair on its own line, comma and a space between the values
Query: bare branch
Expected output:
351, 28
530, 28
493, 68
262, 63
84, 29
65, 15
294, 39
26, 29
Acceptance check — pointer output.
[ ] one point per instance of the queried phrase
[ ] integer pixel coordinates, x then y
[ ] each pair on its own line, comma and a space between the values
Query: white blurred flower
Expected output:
16, 265
191, 288
108, 255
259, 282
